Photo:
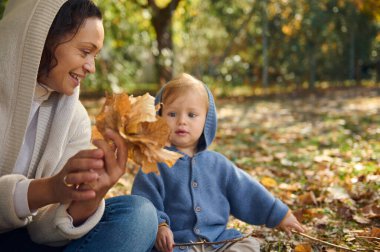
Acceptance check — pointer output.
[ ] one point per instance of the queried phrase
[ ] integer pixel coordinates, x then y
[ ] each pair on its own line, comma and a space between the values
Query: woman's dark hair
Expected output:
68, 20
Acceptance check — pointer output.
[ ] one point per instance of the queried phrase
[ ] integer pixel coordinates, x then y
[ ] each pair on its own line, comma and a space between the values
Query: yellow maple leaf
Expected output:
136, 121
142, 110
303, 247
268, 182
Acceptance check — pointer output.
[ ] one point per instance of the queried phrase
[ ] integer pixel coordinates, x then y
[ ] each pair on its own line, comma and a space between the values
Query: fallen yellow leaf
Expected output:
305, 247
268, 182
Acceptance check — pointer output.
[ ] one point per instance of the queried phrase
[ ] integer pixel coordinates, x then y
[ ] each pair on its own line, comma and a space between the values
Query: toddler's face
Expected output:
186, 117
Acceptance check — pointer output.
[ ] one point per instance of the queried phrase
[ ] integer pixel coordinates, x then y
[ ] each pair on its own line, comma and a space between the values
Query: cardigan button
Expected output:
196, 230
182, 247
198, 209
194, 184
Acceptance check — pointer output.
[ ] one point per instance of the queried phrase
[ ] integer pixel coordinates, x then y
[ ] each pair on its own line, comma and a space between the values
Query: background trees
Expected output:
258, 43
285, 42
2, 6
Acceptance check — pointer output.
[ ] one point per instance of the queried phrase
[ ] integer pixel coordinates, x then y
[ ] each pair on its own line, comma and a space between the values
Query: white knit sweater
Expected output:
63, 126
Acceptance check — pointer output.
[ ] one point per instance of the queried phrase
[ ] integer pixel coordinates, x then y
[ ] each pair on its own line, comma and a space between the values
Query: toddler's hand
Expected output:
164, 240
290, 223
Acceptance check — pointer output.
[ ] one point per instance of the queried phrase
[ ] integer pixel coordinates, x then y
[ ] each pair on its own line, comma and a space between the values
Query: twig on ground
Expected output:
369, 237
325, 242
246, 236
212, 243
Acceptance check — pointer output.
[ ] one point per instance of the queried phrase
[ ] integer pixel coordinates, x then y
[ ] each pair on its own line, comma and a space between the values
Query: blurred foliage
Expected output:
221, 42
309, 41
2, 7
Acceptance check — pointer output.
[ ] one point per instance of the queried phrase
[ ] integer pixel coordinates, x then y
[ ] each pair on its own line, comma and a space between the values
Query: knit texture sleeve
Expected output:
252, 202
80, 136
52, 225
151, 187
8, 217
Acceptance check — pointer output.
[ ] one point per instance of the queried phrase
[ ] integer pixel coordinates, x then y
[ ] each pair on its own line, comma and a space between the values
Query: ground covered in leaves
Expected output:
320, 154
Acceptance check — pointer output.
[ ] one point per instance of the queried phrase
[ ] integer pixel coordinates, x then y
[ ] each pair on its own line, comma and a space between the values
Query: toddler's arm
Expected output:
289, 223
164, 239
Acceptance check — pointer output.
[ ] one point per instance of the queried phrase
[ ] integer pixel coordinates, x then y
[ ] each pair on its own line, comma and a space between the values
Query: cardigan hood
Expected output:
211, 124
23, 29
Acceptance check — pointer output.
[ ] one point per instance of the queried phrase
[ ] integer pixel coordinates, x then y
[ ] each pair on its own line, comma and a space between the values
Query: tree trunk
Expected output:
162, 24
312, 65
3, 3
351, 70
265, 45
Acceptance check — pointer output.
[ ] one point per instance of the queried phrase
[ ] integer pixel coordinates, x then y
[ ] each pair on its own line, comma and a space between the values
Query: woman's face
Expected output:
76, 58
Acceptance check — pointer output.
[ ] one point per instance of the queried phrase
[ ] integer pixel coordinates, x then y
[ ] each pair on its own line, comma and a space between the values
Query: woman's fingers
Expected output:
91, 153
122, 150
110, 164
66, 192
79, 195
90, 173
78, 178
76, 164
114, 163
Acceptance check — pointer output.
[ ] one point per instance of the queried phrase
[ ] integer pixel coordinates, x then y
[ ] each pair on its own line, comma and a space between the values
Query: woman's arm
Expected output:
114, 165
78, 170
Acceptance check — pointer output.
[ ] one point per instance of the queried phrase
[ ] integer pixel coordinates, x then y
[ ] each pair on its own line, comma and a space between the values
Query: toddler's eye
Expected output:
192, 115
171, 114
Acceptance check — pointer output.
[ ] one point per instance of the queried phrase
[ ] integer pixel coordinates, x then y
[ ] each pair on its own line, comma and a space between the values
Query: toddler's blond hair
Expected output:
182, 84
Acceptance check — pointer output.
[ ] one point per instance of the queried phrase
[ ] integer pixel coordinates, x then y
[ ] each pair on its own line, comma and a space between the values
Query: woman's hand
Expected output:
114, 166
164, 239
62, 187
290, 223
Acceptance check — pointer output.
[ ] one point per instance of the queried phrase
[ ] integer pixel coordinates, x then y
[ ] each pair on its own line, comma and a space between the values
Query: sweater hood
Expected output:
23, 28
211, 124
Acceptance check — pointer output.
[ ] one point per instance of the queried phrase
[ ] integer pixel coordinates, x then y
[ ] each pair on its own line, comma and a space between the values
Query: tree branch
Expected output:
236, 33
369, 237
212, 243
172, 5
324, 242
140, 4
251, 234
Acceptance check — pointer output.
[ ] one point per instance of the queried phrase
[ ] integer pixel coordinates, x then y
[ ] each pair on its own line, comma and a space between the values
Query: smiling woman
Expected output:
75, 57
52, 181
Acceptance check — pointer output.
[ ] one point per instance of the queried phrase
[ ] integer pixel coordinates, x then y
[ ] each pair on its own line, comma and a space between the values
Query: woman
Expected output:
52, 183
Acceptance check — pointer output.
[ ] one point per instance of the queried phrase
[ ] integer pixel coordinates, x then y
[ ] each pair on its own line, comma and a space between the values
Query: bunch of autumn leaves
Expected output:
136, 120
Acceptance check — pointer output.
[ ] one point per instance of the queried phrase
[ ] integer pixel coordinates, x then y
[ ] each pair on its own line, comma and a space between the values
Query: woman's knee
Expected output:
143, 208
134, 208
